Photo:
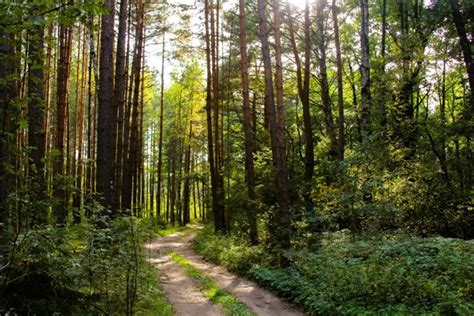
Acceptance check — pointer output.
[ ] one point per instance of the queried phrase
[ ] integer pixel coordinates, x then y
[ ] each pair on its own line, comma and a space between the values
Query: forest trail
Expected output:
184, 293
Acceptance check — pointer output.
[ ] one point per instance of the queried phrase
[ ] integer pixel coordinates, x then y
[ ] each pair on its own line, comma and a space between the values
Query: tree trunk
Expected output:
383, 92
365, 72
465, 46
62, 101
120, 88
187, 167
130, 181
106, 114
249, 165
217, 208
340, 85
326, 99
303, 78
36, 132
280, 229
160, 141
77, 197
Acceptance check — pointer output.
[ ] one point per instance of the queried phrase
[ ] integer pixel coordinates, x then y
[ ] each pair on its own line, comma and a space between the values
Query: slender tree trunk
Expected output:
326, 99
280, 230
187, 167
168, 191
249, 165
383, 92
365, 72
8, 93
160, 141
173, 183
77, 198
303, 77
340, 85
120, 88
193, 185
62, 101
220, 220
131, 174
216, 203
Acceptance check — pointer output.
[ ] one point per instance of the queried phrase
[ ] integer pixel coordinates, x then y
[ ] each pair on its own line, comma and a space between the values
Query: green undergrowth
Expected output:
393, 275
211, 290
89, 269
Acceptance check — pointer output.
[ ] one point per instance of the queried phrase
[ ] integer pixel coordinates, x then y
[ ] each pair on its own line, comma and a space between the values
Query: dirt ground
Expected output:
183, 292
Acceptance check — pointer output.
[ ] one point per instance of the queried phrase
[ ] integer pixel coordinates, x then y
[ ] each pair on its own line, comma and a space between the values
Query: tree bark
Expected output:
280, 229
383, 92
340, 84
326, 99
106, 114
465, 44
62, 101
249, 165
303, 77
160, 141
365, 72
36, 132
120, 88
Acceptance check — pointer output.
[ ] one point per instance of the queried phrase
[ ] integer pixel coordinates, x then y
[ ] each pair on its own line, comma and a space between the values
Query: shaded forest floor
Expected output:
196, 287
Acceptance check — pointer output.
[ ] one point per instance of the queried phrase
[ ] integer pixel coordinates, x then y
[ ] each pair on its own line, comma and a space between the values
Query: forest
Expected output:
320, 149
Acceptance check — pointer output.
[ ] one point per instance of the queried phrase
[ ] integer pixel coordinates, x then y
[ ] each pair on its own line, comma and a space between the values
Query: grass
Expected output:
182, 230
211, 290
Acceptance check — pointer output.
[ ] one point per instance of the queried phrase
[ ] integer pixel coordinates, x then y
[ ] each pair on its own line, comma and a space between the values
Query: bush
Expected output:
390, 275
80, 270
228, 251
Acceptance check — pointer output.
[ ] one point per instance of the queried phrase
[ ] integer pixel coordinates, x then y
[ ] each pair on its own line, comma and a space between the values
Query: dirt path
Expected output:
183, 293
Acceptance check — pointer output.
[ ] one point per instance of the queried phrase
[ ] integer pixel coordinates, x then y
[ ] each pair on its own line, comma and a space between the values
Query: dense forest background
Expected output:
318, 136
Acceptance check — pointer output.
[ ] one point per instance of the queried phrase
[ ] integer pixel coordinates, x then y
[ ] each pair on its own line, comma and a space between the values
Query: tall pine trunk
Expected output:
36, 132
106, 114
249, 143
340, 85
280, 225
365, 72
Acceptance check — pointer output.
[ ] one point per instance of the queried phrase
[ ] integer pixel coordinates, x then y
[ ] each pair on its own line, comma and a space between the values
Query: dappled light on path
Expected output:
183, 293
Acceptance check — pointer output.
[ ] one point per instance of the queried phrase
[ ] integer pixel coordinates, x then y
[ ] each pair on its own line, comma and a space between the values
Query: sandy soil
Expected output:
183, 293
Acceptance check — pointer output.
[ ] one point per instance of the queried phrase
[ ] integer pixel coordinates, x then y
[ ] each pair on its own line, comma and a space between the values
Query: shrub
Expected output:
387, 275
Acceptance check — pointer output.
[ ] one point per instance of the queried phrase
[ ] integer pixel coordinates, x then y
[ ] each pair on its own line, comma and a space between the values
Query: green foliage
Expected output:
388, 275
227, 251
80, 269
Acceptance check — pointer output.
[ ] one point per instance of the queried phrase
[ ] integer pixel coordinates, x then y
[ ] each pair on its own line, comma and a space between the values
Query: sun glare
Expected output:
297, 3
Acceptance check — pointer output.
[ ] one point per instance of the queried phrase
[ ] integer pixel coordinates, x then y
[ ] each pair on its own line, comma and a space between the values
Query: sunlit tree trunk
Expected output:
160, 141
187, 168
77, 197
280, 229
